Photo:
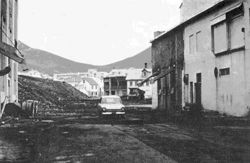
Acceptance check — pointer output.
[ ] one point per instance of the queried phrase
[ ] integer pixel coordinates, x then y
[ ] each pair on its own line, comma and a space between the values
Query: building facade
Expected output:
115, 83
90, 87
136, 76
90, 83
190, 8
217, 57
9, 55
167, 60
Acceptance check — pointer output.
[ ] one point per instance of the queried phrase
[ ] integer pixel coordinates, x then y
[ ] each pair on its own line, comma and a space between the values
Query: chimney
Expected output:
146, 65
158, 33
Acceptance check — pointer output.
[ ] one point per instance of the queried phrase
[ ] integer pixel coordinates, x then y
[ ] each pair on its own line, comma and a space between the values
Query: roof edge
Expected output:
197, 16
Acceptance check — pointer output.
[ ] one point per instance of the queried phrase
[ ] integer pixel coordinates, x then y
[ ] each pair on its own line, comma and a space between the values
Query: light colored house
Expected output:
136, 76
217, 58
90, 87
76, 80
9, 55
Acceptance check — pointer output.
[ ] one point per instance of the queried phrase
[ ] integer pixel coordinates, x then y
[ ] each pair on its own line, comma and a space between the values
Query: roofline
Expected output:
192, 19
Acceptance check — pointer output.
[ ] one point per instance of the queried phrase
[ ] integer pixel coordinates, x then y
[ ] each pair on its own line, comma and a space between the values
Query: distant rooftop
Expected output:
91, 81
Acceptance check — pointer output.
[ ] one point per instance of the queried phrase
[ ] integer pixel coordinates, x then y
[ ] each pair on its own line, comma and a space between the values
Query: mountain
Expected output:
49, 63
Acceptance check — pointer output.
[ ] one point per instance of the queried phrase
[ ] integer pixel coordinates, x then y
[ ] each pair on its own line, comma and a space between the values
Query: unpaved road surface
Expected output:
88, 138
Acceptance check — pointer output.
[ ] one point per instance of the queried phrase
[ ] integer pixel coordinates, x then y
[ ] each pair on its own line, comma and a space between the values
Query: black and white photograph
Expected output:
125, 81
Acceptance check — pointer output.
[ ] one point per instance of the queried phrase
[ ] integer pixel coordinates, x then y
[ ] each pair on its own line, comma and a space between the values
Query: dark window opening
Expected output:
224, 71
198, 77
191, 93
186, 79
235, 13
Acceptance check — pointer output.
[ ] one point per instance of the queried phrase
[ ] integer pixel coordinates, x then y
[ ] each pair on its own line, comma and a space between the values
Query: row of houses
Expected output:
9, 54
205, 60
90, 82
125, 82
122, 82
34, 73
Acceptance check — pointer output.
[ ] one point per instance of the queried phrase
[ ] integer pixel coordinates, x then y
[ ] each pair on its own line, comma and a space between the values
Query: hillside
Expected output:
50, 93
49, 63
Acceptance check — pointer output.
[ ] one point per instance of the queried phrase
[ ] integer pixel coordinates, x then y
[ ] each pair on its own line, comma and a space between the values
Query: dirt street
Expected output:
71, 137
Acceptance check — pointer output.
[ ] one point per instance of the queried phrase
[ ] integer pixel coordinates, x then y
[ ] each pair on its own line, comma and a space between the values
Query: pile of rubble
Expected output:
50, 94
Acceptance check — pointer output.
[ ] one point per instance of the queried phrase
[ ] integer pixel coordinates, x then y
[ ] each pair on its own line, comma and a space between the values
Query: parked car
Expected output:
111, 105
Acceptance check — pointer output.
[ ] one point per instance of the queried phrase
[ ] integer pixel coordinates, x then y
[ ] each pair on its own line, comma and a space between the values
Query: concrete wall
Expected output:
190, 8
154, 96
227, 93
167, 53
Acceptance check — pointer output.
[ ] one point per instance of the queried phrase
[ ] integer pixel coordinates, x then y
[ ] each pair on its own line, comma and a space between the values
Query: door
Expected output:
198, 89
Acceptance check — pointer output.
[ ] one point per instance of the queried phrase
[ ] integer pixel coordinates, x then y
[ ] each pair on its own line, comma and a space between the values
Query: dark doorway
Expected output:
191, 93
198, 89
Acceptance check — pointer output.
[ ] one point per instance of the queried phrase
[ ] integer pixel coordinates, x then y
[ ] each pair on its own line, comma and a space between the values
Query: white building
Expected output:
136, 76
91, 82
217, 58
90, 87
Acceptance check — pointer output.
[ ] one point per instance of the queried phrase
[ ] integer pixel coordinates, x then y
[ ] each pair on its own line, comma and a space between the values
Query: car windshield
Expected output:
111, 100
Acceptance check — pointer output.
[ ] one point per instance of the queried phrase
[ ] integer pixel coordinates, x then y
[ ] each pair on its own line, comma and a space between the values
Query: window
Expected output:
220, 37
191, 93
198, 77
191, 44
224, 71
228, 33
199, 43
147, 83
236, 32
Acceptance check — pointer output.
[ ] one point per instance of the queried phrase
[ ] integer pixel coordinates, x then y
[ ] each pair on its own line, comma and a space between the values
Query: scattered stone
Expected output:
47, 121
89, 154
22, 132
65, 132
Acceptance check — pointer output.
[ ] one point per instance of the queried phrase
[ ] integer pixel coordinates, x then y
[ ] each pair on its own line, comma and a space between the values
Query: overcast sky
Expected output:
98, 32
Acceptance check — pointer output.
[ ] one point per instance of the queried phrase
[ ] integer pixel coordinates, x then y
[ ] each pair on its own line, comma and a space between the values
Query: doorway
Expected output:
198, 85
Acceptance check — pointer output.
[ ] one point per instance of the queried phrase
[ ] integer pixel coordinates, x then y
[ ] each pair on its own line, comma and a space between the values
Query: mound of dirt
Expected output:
50, 94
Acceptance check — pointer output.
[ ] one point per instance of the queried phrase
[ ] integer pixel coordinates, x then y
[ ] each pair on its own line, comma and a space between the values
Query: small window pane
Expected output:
224, 71
191, 44
199, 42
220, 37
237, 36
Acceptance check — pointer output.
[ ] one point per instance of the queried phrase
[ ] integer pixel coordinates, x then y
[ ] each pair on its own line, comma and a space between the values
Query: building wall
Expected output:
227, 93
189, 8
9, 83
115, 85
147, 87
167, 54
154, 96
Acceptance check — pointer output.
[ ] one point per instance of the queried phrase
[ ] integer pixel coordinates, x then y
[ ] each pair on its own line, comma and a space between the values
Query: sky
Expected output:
96, 32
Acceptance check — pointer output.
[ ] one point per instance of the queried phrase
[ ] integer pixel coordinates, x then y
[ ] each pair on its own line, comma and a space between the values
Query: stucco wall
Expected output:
227, 94
167, 53
190, 8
